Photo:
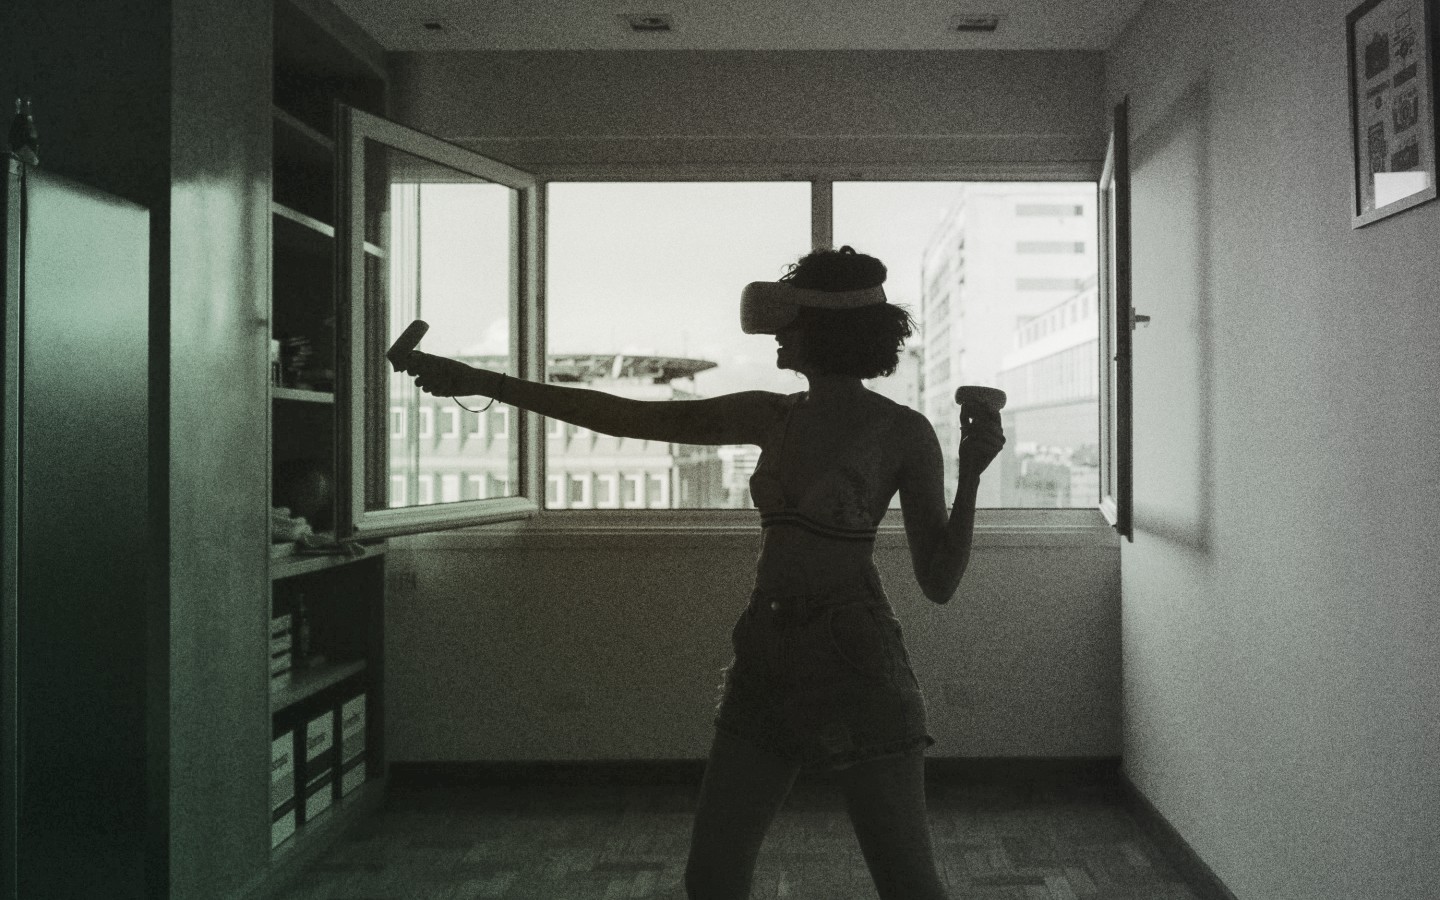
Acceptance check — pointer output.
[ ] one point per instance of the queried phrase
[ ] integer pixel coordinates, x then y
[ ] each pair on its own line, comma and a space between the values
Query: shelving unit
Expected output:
311, 682
326, 611
301, 395
286, 561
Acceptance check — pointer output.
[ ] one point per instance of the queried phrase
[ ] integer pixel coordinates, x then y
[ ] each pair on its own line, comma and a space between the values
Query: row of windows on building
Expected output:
608, 490
449, 487
1050, 284
1065, 377
1028, 248
1059, 318
455, 423
1049, 210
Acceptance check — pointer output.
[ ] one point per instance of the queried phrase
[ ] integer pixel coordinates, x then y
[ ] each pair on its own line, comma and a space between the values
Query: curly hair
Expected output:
863, 342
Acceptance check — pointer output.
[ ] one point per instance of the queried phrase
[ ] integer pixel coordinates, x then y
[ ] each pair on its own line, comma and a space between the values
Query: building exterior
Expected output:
1052, 418
1004, 255
441, 453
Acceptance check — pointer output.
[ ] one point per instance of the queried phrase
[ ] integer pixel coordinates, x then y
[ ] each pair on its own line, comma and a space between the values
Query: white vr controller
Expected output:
994, 398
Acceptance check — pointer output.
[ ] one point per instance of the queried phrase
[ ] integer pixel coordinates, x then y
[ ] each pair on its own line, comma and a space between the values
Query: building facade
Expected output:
441, 453
1052, 377
1003, 256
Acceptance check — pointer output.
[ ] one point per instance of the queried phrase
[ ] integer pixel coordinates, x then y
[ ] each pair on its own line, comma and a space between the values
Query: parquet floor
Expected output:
548, 842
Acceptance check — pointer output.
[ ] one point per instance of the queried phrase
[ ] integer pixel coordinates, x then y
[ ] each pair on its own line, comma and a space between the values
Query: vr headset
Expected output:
768, 306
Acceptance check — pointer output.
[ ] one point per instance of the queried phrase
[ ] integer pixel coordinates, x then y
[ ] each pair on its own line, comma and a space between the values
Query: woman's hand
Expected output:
443, 377
981, 438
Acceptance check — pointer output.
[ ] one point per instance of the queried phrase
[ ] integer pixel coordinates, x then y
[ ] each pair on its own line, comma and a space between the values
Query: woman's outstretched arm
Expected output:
940, 542
742, 418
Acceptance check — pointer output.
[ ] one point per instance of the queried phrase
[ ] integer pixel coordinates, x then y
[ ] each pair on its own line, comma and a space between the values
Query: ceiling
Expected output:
739, 24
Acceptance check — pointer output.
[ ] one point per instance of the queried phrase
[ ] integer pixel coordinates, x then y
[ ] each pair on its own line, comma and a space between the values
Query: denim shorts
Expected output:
823, 680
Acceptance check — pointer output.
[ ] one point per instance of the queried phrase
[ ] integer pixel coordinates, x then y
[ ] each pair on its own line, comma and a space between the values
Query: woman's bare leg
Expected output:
742, 790
886, 802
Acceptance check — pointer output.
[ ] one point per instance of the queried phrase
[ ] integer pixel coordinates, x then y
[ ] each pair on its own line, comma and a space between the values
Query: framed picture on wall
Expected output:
1392, 106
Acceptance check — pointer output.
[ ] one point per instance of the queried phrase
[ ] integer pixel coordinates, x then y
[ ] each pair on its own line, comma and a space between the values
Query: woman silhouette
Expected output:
820, 678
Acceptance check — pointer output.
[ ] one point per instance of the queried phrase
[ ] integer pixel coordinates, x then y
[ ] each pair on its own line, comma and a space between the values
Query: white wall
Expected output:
1280, 628
558, 111
565, 646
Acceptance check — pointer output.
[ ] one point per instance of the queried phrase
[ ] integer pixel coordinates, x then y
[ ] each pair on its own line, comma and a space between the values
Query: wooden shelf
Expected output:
309, 682
318, 146
302, 395
300, 218
318, 227
286, 563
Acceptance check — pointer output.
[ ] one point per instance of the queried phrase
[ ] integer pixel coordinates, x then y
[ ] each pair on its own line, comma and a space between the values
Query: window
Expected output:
1028, 260
1049, 210
607, 491
427, 230
450, 415
580, 492
475, 485
1000, 276
1116, 320
1029, 247
633, 492
643, 288
499, 422
1048, 284
659, 495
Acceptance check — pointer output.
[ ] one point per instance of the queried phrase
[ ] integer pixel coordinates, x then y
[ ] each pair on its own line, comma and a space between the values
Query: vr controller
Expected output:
407, 341
994, 398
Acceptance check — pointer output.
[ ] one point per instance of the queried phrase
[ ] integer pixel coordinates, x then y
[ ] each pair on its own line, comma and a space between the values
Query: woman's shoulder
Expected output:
898, 412
905, 424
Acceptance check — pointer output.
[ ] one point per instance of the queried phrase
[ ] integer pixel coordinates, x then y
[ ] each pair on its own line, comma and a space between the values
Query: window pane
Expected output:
643, 300
451, 242
1001, 278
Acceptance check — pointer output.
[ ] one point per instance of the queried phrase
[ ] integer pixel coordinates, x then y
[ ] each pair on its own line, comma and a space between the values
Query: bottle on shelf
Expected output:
305, 655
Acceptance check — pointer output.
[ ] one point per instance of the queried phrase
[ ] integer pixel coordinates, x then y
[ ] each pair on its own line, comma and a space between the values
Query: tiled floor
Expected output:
621, 841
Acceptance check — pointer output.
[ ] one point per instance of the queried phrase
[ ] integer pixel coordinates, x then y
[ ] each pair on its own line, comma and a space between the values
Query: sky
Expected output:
658, 268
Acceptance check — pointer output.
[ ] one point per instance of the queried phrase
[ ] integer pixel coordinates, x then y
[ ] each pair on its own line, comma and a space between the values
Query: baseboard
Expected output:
1185, 860
948, 770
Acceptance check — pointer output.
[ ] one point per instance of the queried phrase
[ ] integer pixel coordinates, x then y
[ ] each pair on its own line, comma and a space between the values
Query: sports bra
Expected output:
836, 504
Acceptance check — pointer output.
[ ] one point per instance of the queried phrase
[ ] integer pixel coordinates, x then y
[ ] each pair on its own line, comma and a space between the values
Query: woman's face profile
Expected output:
790, 354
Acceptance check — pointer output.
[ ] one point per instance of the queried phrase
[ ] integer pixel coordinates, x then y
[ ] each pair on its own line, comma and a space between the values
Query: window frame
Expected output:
1117, 322
642, 518
361, 341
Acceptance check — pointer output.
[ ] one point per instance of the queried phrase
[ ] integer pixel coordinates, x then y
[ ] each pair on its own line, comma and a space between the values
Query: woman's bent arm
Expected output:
940, 543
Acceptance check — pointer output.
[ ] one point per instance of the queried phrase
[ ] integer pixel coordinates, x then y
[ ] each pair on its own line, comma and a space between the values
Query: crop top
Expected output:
836, 504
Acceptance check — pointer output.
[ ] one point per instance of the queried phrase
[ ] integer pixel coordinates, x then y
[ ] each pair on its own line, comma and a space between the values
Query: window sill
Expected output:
586, 529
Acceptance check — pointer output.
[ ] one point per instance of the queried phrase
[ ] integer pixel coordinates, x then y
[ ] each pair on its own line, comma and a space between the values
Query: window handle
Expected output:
1137, 319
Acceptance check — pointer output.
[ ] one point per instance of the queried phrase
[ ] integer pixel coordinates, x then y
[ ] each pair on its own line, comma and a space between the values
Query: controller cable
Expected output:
482, 409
